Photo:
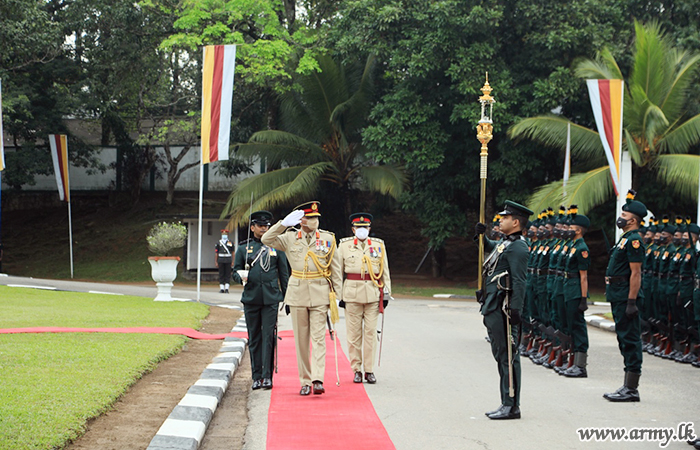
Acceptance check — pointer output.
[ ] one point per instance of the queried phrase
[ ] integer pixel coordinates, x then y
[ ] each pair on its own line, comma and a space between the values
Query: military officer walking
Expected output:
365, 267
312, 288
623, 279
576, 265
506, 267
264, 274
224, 261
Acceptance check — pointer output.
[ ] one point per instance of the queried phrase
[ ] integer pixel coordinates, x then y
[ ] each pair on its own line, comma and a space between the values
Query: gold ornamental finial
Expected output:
486, 90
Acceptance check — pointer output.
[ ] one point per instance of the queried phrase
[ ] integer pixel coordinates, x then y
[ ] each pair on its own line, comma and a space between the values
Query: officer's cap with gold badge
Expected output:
311, 209
361, 219
261, 218
515, 209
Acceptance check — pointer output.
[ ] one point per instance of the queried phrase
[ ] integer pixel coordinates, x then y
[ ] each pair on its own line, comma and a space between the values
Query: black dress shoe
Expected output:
221, 291
624, 394
495, 411
318, 388
371, 379
267, 383
226, 291
305, 390
257, 384
358, 377
506, 413
575, 372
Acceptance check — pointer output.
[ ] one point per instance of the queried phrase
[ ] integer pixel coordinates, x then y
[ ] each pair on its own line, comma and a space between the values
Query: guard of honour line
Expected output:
533, 301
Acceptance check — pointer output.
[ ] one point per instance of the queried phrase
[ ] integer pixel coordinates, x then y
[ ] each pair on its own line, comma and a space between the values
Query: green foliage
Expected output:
47, 397
165, 237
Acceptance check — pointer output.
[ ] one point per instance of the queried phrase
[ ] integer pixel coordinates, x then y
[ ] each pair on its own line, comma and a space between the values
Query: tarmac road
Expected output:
438, 377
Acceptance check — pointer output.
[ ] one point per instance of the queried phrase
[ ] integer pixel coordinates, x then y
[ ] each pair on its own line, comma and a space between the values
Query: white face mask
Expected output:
224, 237
362, 233
312, 224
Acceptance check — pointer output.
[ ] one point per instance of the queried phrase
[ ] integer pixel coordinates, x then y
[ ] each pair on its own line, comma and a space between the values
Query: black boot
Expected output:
628, 392
578, 370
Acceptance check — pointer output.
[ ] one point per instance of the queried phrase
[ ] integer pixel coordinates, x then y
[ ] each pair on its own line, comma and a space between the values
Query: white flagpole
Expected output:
70, 238
567, 158
199, 238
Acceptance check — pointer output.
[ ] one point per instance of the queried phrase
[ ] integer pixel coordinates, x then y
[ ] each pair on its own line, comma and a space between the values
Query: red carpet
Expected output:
342, 418
189, 332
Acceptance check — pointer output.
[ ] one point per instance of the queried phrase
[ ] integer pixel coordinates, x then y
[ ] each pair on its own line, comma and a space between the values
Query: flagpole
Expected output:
199, 237
70, 238
567, 158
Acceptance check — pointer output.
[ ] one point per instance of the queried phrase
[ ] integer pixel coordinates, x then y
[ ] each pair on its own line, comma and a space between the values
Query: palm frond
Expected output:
348, 116
603, 67
676, 98
681, 138
587, 190
680, 174
551, 131
386, 179
655, 123
651, 70
282, 147
633, 149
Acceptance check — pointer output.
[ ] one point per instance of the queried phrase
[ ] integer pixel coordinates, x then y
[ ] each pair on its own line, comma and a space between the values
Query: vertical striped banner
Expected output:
607, 98
59, 154
217, 95
2, 135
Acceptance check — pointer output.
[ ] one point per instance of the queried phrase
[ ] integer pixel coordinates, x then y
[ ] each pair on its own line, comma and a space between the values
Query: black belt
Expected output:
553, 272
684, 277
647, 272
572, 275
616, 280
663, 275
541, 271
531, 270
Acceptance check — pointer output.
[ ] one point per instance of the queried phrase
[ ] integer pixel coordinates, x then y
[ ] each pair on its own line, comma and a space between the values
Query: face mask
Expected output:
657, 241
648, 240
530, 233
621, 222
676, 241
684, 241
224, 237
312, 224
557, 233
362, 233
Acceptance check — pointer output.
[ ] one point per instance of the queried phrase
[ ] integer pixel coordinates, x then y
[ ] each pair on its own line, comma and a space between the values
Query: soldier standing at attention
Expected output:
365, 268
506, 266
312, 288
264, 288
224, 261
623, 279
576, 263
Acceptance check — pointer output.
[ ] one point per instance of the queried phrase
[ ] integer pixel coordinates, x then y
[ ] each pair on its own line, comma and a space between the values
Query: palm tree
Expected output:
319, 148
657, 129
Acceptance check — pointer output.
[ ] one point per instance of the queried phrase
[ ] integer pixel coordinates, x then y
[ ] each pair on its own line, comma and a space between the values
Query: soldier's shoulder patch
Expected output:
584, 254
687, 256
636, 244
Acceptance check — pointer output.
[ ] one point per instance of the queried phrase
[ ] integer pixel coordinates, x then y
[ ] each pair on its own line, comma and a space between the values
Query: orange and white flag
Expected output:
217, 95
607, 99
59, 154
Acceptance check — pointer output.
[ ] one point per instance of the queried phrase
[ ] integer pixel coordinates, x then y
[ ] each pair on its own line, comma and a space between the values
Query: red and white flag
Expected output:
607, 99
217, 95
59, 154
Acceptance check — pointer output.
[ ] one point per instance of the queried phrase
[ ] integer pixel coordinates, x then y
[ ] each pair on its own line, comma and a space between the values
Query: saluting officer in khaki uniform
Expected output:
316, 277
366, 276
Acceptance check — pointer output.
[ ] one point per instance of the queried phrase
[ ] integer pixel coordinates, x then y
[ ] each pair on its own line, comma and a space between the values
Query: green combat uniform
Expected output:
508, 255
577, 260
628, 250
266, 285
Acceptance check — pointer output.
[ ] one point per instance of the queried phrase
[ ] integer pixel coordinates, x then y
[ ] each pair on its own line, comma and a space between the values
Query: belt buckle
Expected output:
607, 280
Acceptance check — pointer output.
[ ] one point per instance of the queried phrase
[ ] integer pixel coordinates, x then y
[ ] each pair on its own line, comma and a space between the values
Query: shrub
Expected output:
165, 237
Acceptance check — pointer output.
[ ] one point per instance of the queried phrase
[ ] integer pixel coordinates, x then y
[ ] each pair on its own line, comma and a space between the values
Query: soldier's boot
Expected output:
563, 362
628, 392
666, 354
558, 362
545, 354
653, 343
658, 350
552, 357
578, 370
540, 348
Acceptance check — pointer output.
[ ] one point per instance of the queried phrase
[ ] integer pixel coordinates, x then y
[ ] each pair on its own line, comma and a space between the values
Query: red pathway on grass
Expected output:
342, 418
189, 332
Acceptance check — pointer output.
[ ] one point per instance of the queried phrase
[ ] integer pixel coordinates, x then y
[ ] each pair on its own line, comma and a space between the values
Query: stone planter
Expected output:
164, 271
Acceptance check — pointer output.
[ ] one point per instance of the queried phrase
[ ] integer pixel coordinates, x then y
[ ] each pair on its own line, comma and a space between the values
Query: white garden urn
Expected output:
164, 271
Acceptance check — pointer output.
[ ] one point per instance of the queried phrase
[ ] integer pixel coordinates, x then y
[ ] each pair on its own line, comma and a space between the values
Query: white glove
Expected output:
293, 218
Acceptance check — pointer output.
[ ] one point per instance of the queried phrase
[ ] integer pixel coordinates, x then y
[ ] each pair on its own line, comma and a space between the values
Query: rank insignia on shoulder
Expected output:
500, 248
584, 254
636, 244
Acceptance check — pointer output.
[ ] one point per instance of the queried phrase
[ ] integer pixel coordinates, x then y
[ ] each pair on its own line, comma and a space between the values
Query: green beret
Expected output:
634, 206
578, 219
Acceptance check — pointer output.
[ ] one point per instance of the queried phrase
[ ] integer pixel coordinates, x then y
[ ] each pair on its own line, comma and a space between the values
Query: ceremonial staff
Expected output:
484, 133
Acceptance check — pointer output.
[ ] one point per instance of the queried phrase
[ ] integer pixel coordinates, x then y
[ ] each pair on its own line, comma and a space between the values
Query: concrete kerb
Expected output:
185, 426
600, 322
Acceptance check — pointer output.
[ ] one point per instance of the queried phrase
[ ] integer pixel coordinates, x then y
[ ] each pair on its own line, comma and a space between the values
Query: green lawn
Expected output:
53, 383
420, 291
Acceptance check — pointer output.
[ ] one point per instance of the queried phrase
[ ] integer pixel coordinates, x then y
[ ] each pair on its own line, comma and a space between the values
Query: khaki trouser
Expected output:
309, 324
357, 340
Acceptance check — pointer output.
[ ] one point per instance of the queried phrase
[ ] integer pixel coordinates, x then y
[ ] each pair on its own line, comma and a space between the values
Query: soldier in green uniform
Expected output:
529, 308
695, 230
666, 250
548, 235
684, 300
264, 273
647, 312
623, 279
576, 263
673, 287
506, 267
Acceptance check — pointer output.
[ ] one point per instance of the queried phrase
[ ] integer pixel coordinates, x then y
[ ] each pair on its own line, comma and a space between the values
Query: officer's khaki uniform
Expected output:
308, 292
361, 297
